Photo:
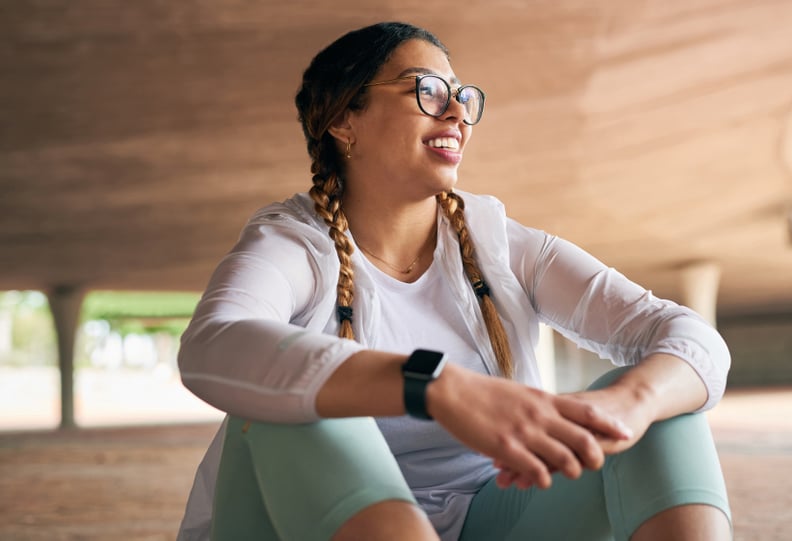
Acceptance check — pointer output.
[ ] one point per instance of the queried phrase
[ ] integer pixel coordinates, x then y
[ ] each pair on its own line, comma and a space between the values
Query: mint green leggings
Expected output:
302, 482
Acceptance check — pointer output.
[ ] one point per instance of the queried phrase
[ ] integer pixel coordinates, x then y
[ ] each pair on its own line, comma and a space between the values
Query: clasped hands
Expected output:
531, 434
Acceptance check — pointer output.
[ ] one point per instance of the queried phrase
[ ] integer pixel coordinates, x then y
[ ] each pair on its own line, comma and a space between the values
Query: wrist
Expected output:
644, 395
665, 385
444, 389
420, 372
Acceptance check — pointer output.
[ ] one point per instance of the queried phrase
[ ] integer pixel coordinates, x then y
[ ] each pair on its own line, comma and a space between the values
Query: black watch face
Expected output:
423, 361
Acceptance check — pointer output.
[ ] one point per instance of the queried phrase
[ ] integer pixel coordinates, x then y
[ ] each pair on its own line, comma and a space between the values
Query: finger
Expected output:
517, 456
610, 446
585, 446
508, 478
593, 417
523, 482
557, 455
505, 478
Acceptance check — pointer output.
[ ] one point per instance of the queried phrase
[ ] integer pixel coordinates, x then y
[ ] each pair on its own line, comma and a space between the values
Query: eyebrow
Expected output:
426, 71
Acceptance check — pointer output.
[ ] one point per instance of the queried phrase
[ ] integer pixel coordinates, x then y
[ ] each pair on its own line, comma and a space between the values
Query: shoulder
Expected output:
287, 242
488, 211
482, 203
294, 212
292, 221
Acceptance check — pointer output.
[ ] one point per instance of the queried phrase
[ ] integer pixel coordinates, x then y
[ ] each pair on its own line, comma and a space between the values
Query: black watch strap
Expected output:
421, 369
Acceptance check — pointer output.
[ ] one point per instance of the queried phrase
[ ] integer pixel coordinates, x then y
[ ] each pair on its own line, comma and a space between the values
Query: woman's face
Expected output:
404, 151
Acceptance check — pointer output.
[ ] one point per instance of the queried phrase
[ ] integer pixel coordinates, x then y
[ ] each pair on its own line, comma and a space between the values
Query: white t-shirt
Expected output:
443, 474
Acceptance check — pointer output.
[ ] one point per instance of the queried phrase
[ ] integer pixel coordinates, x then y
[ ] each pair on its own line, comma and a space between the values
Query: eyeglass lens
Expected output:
434, 97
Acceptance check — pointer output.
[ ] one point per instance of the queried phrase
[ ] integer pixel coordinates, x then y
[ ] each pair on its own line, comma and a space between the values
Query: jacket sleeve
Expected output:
240, 352
602, 311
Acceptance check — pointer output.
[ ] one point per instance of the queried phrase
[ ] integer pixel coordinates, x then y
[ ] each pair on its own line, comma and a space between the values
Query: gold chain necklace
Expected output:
408, 270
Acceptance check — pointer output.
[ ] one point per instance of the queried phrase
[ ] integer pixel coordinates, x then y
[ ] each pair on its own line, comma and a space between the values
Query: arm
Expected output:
240, 353
681, 362
661, 386
602, 311
537, 434
665, 385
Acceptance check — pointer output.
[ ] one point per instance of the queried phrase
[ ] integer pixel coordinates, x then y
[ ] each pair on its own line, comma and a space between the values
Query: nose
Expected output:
455, 110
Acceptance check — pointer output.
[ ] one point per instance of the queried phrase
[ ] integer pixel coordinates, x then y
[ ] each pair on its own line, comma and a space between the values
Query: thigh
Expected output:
239, 512
569, 509
675, 463
302, 482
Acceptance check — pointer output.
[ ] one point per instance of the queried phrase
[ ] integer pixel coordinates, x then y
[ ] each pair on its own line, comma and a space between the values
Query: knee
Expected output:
389, 520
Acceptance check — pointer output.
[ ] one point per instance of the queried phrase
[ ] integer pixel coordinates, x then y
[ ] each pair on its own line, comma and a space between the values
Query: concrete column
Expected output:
700, 281
65, 303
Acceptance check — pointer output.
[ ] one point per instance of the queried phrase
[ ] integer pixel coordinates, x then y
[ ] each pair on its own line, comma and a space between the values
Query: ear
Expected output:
342, 129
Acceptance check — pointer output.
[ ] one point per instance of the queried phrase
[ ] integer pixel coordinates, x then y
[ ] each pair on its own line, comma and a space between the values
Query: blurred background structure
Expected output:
137, 137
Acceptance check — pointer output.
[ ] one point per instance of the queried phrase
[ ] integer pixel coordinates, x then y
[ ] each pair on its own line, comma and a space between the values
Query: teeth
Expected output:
444, 142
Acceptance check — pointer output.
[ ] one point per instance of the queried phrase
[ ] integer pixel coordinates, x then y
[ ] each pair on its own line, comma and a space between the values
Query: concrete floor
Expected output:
131, 483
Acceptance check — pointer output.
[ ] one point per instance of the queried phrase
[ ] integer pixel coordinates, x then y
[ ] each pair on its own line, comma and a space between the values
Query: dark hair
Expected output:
335, 79
333, 83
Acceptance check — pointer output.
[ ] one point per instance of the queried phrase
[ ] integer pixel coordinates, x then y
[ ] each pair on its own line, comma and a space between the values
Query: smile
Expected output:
448, 143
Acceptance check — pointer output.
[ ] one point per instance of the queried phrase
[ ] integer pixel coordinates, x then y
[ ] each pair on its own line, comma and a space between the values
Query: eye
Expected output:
427, 89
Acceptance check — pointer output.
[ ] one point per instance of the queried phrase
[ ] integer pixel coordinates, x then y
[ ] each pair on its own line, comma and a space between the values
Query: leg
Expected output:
669, 479
670, 484
685, 522
569, 509
309, 482
390, 520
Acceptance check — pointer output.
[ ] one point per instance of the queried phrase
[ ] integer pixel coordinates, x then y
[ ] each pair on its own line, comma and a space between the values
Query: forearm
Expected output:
666, 384
258, 369
369, 383
602, 311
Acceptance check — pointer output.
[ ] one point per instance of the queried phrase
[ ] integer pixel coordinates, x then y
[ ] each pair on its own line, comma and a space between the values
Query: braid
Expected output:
326, 193
454, 206
333, 84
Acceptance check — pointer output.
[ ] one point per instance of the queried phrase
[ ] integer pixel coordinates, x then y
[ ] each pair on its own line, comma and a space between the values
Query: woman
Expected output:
384, 292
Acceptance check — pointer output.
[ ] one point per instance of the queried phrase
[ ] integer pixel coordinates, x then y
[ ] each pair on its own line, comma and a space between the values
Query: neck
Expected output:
394, 237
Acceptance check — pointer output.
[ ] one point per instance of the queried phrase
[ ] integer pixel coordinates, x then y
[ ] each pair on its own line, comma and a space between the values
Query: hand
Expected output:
661, 386
527, 432
624, 403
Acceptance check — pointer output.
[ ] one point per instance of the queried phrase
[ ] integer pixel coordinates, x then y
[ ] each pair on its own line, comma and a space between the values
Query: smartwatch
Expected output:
421, 369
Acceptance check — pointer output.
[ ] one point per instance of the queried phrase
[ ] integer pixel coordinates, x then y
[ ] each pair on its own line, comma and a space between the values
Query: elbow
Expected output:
194, 362
724, 356
720, 356
718, 372
183, 356
722, 362
185, 362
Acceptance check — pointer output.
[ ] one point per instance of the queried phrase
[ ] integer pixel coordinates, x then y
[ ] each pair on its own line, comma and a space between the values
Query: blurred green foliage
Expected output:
27, 334
136, 312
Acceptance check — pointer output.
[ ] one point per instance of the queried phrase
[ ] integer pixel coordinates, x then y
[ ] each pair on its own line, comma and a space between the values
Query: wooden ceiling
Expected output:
137, 137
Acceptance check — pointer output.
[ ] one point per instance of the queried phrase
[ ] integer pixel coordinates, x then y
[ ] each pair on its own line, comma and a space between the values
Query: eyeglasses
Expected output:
434, 96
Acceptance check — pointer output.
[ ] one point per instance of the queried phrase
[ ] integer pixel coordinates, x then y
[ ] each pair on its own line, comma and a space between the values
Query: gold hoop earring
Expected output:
349, 149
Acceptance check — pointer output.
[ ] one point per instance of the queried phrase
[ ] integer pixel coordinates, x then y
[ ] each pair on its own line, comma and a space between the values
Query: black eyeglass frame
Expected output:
451, 93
